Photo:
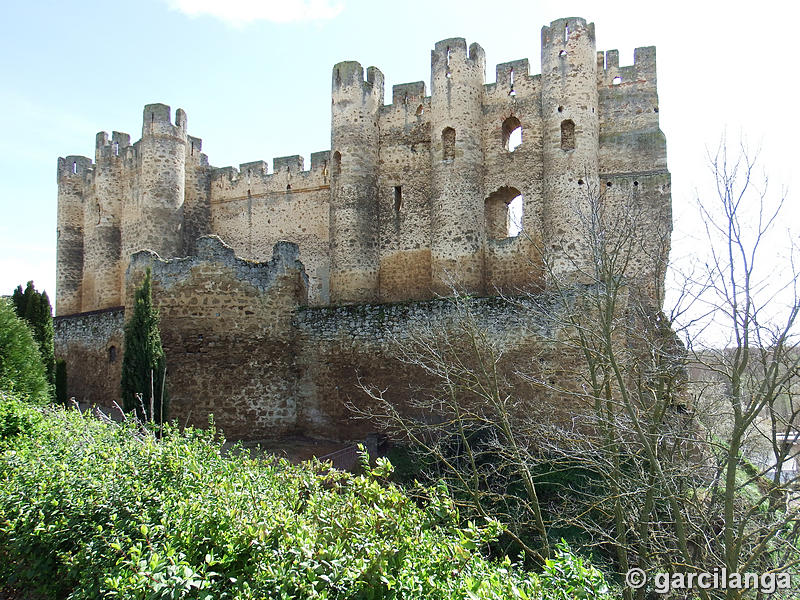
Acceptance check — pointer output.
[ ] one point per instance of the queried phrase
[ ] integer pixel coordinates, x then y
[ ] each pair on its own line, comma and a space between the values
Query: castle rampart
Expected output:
482, 186
413, 197
225, 319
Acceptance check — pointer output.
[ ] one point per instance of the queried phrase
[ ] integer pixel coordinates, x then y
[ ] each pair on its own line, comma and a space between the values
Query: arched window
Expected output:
448, 143
337, 163
503, 213
512, 133
112, 354
567, 135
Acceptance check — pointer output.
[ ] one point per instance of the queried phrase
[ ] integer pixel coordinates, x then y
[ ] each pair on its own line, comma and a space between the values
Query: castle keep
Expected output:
277, 286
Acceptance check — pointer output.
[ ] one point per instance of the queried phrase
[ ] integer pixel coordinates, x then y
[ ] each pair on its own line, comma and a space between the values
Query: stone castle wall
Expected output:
92, 344
412, 199
226, 322
377, 345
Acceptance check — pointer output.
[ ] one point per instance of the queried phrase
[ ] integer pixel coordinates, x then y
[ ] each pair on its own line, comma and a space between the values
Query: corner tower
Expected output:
102, 218
570, 134
354, 183
457, 221
72, 174
154, 218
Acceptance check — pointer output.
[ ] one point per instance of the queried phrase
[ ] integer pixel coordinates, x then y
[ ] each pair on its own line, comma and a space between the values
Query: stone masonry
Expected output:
413, 198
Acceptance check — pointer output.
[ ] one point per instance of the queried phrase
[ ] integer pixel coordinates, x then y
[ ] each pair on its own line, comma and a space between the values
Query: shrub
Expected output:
94, 509
570, 577
21, 368
16, 419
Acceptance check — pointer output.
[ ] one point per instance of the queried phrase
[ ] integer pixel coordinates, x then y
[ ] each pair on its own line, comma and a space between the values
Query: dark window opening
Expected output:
337, 163
512, 133
112, 354
448, 143
398, 199
563, 53
288, 186
420, 110
568, 134
503, 212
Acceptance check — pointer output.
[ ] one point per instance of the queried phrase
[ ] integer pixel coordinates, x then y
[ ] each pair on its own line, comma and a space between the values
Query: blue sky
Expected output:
254, 79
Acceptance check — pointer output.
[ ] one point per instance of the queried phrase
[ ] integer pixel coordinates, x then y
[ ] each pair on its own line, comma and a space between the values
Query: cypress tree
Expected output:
34, 307
144, 363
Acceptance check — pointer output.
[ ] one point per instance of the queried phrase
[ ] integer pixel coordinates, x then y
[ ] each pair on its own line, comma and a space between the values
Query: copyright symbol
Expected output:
635, 578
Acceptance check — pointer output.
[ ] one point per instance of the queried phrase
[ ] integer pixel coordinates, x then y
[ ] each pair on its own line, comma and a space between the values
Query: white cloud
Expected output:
242, 12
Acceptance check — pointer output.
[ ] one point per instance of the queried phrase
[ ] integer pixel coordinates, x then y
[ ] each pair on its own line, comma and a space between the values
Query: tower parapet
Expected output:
570, 140
155, 217
354, 249
457, 222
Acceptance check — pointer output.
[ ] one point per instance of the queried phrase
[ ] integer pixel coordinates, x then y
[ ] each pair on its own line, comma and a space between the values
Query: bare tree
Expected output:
598, 427
750, 412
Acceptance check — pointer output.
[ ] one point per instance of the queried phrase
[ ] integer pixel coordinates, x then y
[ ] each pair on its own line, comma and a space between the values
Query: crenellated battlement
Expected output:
642, 71
258, 170
74, 167
412, 196
118, 147
509, 73
556, 36
408, 93
157, 121
320, 160
288, 164
448, 54
348, 80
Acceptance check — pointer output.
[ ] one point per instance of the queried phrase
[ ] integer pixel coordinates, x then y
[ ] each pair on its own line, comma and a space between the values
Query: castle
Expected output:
277, 287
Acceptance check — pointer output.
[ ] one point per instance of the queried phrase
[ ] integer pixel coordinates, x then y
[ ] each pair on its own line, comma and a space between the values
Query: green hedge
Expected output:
97, 510
21, 367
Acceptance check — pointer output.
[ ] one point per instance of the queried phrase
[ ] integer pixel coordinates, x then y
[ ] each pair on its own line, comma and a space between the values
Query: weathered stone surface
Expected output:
341, 347
412, 199
91, 344
227, 335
